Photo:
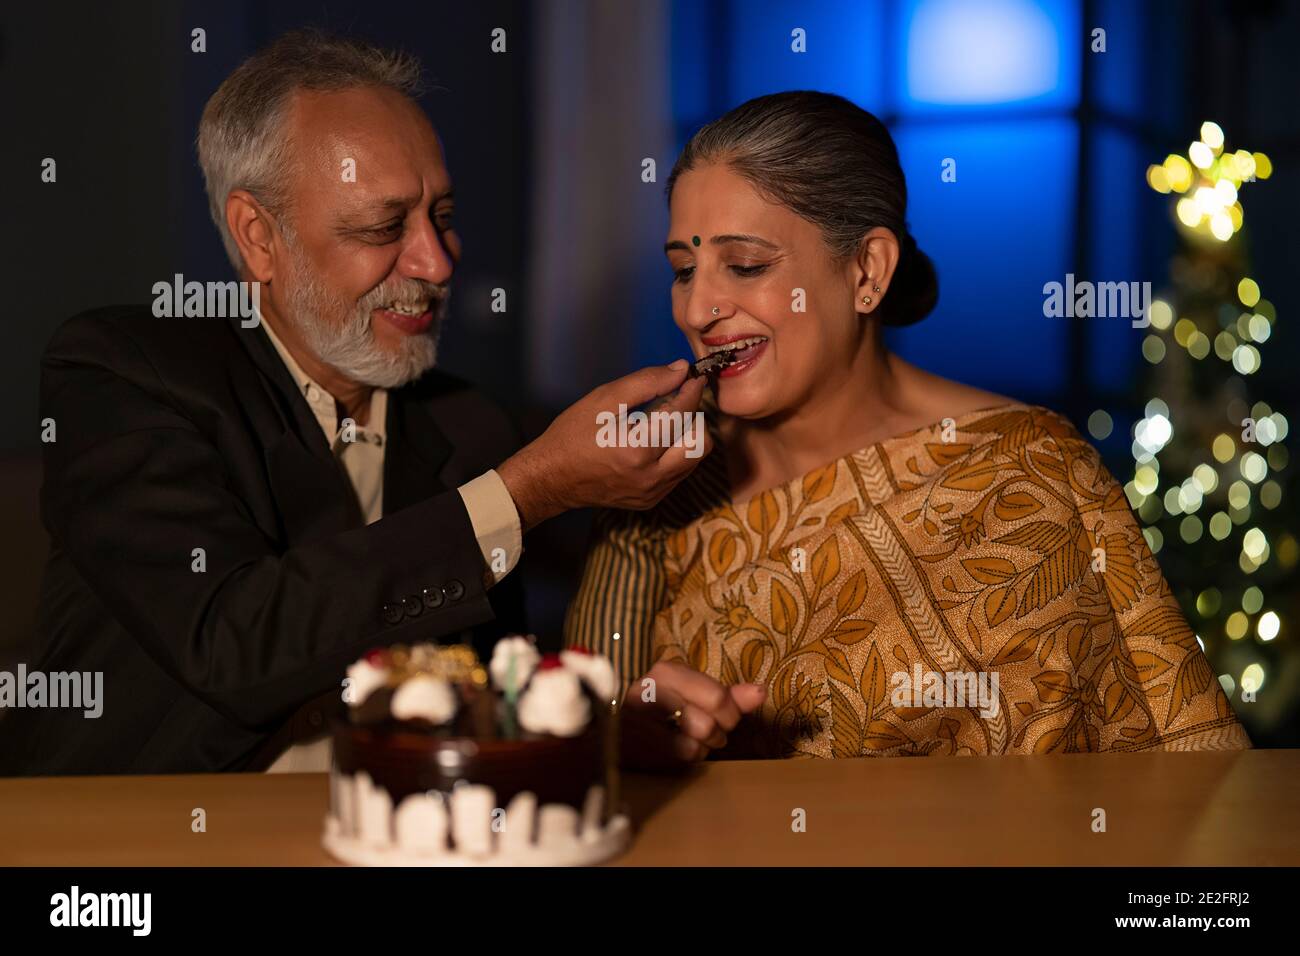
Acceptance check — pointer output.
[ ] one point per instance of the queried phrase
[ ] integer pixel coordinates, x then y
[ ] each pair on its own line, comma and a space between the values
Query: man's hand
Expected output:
565, 468
709, 711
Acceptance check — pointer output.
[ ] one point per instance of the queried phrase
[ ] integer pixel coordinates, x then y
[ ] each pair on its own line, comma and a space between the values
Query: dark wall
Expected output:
96, 90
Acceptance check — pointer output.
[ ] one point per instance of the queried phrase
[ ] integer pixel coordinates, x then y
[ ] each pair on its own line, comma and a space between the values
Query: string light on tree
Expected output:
1209, 180
1210, 480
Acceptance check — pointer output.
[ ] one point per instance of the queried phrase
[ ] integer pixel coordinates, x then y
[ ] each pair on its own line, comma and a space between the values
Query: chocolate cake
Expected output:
445, 762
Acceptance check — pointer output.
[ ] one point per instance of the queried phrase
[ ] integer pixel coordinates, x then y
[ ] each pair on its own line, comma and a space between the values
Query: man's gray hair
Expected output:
243, 140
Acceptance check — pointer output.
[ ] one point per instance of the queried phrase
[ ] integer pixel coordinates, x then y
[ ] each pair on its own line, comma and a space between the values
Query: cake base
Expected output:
467, 827
581, 852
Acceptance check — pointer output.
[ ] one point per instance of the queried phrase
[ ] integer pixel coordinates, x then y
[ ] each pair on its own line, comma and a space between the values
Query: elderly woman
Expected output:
865, 531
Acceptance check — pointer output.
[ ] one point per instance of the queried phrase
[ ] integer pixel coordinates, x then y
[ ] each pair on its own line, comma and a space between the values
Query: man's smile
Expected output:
408, 318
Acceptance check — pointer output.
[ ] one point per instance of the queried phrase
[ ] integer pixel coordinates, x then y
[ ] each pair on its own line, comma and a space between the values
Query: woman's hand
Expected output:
652, 740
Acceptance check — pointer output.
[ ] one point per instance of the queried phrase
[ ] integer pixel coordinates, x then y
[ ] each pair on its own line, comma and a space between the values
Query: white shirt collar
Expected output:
323, 404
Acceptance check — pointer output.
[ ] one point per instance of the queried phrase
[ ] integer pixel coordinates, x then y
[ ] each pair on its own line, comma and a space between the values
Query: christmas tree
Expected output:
1209, 453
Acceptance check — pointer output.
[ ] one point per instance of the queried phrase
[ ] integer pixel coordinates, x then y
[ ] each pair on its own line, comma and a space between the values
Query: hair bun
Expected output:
914, 290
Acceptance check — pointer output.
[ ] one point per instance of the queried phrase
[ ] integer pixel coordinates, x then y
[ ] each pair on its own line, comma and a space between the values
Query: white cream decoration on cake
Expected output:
366, 678
557, 825
521, 816
554, 704
595, 670
417, 832
421, 823
525, 656
471, 818
347, 805
374, 812
425, 697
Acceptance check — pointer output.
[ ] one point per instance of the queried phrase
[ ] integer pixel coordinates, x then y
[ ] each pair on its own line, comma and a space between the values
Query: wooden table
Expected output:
1234, 808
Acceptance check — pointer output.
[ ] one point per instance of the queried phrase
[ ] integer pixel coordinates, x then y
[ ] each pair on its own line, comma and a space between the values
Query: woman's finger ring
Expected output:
676, 718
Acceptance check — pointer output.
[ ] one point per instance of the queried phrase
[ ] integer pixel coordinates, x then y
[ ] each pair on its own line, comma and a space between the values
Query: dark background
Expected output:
545, 144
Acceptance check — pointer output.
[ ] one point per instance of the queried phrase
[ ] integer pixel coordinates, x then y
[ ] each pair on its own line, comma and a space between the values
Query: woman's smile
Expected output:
744, 350
746, 359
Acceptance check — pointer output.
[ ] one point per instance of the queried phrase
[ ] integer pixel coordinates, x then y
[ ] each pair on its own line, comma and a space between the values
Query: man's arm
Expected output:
132, 488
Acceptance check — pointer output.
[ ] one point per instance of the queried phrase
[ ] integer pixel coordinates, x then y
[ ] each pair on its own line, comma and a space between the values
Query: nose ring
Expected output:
716, 310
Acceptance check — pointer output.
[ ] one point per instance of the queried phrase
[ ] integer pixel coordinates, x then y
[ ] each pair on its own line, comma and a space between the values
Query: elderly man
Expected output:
239, 510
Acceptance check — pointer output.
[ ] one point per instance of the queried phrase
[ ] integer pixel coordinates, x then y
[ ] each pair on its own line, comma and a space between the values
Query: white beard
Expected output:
349, 346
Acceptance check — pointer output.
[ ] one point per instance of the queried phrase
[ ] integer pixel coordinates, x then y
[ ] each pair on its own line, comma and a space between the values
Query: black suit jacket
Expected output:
179, 434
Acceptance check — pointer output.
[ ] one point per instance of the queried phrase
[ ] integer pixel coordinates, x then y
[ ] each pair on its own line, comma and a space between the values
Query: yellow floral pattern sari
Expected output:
997, 546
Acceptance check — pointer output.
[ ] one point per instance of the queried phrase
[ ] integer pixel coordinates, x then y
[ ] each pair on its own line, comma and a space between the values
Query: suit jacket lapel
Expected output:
416, 452
309, 486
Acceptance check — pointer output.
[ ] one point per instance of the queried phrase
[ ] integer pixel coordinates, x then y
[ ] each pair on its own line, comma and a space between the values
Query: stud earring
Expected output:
716, 310
866, 300
875, 288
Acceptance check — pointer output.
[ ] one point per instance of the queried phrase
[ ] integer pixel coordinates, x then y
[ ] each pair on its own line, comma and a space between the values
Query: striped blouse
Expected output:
624, 585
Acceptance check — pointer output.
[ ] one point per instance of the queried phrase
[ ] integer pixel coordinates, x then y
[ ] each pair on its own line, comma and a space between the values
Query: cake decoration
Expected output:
424, 697
366, 675
554, 702
516, 650
596, 671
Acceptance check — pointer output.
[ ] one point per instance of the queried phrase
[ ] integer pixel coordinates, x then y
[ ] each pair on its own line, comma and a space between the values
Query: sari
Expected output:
976, 587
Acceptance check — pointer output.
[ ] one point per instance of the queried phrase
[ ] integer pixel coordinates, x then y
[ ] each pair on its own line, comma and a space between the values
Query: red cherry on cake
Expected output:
550, 662
377, 657
579, 650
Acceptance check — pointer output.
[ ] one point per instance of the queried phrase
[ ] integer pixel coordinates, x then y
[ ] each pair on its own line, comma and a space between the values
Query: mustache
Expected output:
405, 290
